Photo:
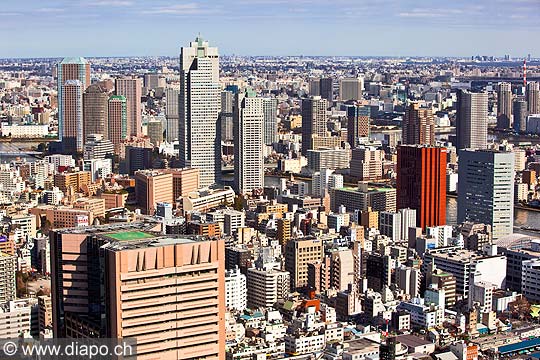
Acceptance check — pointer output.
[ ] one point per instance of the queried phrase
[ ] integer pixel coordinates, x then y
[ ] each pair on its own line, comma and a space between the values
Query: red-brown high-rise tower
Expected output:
421, 183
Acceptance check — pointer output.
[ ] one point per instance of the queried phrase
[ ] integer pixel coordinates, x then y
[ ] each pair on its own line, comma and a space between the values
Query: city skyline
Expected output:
345, 27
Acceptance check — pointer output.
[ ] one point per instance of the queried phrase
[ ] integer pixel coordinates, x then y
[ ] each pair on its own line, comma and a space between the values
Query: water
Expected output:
521, 217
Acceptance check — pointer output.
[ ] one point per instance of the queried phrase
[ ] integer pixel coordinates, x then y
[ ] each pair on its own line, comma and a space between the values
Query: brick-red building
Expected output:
421, 183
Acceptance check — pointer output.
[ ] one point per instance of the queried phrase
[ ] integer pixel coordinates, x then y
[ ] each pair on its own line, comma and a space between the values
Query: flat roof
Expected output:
412, 340
522, 345
129, 235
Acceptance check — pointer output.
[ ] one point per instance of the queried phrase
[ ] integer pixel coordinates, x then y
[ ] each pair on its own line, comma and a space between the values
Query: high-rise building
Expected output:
118, 120
533, 97
418, 125
519, 111
71, 69
72, 116
357, 123
472, 120
298, 253
226, 116
199, 108
248, 142
131, 89
8, 267
366, 163
97, 292
270, 106
504, 105
327, 89
171, 113
351, 88
421, 183
486, 189
95, 113
155, 131
152, 187
314, 120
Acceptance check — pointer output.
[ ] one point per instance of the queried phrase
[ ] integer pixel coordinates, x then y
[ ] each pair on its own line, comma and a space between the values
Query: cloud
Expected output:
180, 9
110, 3
50, 10
419, 14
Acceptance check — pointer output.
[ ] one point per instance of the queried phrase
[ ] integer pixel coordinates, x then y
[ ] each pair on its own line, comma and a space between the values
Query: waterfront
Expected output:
522, 217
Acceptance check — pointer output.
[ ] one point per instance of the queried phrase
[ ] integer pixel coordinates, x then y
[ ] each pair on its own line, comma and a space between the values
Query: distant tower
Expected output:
131, 89
248, 142
533, 97
418, 125
313, 120
70, 69
472, 120
270, 106
198, 111
71, 113
519, 112
95, 119
171, 113
504, 105
524, 72
118, 120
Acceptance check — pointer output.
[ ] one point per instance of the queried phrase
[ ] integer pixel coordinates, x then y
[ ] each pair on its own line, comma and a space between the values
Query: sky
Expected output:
58, 28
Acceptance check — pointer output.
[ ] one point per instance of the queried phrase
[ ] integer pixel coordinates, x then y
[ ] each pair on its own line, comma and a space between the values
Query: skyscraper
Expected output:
199, 107
70, 69
357, 123
72, 116
351, 88
118, 120
95, 114
418, 125
270, 120
226, 116
131, 89
533, 97
248, 142
313, 120
486, 189
519, 112
327, 89
504, 105
421, 183
471, 121
171, 113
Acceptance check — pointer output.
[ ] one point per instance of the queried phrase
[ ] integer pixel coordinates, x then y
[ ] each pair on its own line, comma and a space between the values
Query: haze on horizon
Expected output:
58, 28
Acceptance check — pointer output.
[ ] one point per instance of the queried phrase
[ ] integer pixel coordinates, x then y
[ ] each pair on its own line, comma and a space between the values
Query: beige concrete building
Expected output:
94, 205
342, 269
152, 187
298, 254
366, 163
170, 296
75, 180
266, 287
131, 89
184, 181
166, 292
44, 312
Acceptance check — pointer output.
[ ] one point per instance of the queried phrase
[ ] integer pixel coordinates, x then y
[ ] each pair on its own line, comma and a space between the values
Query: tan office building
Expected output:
298, 254
152, 187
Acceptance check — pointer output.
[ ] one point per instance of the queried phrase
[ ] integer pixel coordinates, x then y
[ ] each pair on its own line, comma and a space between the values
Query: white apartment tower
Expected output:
235, 290
248, 142
198, 110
